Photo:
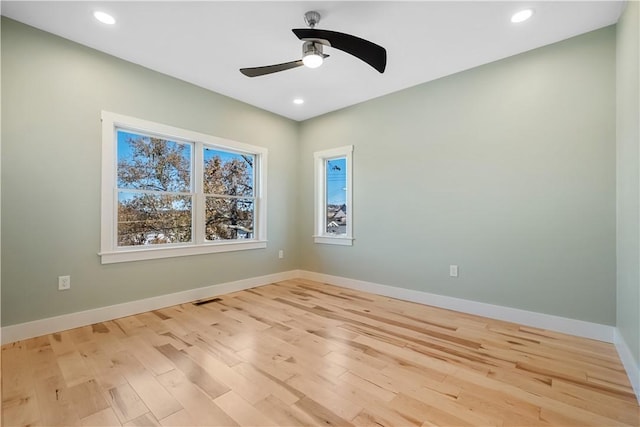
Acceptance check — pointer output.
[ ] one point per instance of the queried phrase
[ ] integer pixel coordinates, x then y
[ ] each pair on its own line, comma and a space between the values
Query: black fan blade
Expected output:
261, 71
369, 52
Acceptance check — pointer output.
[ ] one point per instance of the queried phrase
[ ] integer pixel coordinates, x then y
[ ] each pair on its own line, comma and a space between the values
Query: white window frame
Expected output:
320, 205
110, 252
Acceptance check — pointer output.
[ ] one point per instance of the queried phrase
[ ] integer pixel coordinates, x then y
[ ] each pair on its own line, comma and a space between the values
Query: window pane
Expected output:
150, 163
336, 196
151, 219
229, 219
227, 173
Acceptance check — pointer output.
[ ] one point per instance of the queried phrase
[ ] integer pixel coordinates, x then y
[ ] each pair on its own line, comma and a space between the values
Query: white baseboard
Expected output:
633, 370
550, 322
73, 320
83, 318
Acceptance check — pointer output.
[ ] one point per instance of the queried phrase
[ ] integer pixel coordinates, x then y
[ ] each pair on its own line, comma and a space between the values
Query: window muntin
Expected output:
333, 196
173, 192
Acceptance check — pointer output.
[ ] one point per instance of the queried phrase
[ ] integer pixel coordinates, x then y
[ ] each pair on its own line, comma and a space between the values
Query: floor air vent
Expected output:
207, 301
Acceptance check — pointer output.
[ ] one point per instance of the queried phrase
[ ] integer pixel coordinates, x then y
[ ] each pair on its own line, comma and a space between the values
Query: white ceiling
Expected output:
205, 43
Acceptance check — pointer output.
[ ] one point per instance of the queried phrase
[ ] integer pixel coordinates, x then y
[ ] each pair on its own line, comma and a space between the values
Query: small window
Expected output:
171, 192
333, 206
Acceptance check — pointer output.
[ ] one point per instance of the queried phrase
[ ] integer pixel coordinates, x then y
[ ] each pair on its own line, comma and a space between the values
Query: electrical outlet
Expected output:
453, 271
280, 254
64, 283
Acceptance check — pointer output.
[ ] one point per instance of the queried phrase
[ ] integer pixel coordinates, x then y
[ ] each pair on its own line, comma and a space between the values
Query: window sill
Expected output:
334, 240
127, 255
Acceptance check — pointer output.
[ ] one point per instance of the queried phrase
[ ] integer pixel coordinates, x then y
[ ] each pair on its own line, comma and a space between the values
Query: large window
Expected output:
333, 201
172, 192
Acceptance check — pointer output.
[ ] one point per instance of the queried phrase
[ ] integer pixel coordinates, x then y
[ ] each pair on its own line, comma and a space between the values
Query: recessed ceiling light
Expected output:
103, 17
522, 16
298, 101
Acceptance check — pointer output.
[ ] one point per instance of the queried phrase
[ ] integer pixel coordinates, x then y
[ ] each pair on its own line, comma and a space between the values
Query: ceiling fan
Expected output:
312, 55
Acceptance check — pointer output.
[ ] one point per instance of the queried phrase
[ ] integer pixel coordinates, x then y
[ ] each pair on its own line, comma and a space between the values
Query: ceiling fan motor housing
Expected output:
311, 48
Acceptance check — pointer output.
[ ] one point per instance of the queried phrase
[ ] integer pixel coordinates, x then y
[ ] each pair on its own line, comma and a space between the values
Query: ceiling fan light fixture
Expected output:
312, 61
312, 56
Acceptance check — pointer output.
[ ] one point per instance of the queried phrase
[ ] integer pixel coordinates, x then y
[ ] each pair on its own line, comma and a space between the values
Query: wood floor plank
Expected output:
87, 398
201, 409
194, 372
154, 395
323, 415
219, 348
244, 413
21, 410
299, 359
126, 403
603, 404
504, 408
104, 418
61, 342
126, 364
178, 419
17, 377
268, 362
375, 410
153, 360
320, 391
269, 383
227, 376
107, 370
372, 389
426, 413
74, 368
299, 352
145, 420
372, 417
56, 407
285, 414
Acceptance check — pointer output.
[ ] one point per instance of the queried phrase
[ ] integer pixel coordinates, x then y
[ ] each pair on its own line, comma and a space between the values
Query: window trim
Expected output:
320, 206
109, 250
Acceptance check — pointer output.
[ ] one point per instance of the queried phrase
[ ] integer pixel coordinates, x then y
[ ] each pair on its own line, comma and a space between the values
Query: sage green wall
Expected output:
628, 182
52, 93
507, 170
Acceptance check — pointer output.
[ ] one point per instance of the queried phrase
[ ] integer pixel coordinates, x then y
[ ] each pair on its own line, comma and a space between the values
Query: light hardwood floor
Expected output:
303, 353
